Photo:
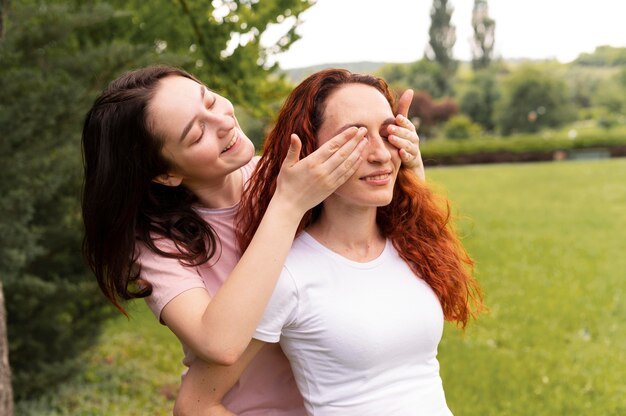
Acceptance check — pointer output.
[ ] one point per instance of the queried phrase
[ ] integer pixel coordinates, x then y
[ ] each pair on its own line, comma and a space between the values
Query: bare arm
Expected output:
205, 385
403, 135
219, 329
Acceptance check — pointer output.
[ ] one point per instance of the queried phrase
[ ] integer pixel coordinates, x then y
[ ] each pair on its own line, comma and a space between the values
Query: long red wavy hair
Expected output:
417, 221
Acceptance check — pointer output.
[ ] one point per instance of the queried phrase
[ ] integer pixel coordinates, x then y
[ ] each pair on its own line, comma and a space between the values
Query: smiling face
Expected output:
362, 105
201, 136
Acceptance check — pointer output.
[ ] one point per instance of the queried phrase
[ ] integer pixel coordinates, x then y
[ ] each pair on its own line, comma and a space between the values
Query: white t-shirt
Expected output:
361, 337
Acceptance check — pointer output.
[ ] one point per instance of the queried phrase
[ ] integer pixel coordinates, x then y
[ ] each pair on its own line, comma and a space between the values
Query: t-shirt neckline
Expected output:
313, 243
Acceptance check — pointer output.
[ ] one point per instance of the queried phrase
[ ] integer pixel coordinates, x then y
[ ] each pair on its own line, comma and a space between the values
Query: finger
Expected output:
403, 144
404, 103
293, 154
348, 166
405, 155
348, 138
348, 152
403, 122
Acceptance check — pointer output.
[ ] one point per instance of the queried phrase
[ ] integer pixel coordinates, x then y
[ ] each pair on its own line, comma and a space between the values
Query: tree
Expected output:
484, 35
531, 100
6, 390
56, 56
442, 37
480, 98
220, 43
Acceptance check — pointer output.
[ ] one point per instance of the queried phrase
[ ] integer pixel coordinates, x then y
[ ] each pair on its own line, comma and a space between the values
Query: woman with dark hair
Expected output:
165, 166
374, 271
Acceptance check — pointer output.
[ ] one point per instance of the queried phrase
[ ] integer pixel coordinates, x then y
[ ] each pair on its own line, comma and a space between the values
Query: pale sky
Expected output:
337, 31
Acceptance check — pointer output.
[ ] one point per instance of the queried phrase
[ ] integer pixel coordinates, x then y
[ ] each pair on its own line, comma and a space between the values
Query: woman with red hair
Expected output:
375, 269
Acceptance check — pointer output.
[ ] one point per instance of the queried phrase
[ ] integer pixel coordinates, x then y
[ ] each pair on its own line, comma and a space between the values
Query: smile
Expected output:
232, 142
376, 177
379, 177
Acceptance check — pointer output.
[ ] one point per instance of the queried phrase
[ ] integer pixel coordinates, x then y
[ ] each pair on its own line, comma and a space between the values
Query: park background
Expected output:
546, 234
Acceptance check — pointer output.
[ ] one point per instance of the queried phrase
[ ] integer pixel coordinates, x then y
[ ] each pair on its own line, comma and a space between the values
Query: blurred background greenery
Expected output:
546, 236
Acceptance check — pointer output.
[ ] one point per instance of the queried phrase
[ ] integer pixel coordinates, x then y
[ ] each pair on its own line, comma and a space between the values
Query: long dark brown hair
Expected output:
417, 221
121, 204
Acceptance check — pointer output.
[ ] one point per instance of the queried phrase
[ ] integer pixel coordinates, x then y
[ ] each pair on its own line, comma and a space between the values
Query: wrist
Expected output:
285, 209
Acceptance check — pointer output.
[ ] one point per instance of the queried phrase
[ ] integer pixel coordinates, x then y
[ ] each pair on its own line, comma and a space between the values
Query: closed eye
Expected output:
202, 128
212, 98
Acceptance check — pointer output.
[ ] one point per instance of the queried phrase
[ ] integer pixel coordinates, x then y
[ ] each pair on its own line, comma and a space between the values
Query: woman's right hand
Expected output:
307, 182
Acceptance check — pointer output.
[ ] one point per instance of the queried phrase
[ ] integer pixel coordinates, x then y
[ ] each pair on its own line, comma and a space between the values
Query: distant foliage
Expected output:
431, 113
603, 56
532, 100
461, 127
484, 35
480, 99
423, 75
442, 37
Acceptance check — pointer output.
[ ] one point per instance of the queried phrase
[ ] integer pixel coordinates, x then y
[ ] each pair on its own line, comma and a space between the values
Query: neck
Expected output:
349, 231
220, 194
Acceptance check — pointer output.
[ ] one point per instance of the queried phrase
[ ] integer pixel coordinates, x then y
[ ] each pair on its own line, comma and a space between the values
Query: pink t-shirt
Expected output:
267, 386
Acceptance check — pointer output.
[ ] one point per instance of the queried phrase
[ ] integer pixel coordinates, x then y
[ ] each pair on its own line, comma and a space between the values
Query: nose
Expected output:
225, 124
377, 150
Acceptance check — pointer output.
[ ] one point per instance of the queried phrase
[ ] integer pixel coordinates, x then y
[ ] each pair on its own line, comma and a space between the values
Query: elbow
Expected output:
223, 356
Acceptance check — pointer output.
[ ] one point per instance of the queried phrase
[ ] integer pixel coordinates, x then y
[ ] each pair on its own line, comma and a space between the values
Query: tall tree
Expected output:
6, 390
484, 35
441, 42
55, 57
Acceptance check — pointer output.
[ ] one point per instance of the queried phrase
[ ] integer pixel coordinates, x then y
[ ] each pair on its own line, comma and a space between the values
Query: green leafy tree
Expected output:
442, 37
531, 100
221, 43
56, 56
484, 35
47, 79
603, 56
6, 389
423, 75
479, 99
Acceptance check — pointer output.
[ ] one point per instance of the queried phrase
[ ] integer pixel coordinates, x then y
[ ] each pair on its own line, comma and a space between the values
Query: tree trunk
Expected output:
6, 392
4, 11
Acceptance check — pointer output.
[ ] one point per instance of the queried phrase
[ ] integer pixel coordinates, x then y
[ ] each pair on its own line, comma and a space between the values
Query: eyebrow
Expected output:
346, 126
193, 120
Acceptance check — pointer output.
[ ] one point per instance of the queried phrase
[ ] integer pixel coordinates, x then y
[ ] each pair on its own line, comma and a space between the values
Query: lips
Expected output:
232, 141
381, 175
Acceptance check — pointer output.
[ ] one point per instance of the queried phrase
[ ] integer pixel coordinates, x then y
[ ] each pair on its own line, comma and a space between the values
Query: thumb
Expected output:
404, 103
293, 154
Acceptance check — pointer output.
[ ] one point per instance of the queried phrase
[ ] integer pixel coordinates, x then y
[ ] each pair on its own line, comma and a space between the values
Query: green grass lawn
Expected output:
549, 245
550, 248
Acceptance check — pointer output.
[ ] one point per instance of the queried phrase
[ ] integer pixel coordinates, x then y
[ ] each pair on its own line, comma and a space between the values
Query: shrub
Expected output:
461, 127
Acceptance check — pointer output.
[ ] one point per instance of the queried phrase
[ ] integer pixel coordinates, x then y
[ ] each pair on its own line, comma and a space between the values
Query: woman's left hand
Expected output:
403, 135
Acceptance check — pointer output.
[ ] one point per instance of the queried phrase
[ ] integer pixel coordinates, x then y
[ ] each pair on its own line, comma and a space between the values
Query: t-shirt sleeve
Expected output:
281, 310
168, 277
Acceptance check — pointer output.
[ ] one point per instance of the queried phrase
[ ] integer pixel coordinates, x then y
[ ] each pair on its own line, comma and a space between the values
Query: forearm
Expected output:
205, 385
236, 309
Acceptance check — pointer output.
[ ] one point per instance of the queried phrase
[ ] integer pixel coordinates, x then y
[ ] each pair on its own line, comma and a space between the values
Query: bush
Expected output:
461, 127
522, 147
429, 112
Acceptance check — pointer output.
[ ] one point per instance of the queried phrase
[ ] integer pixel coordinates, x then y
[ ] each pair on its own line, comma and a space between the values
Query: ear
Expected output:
168, 179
